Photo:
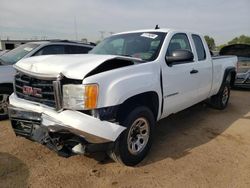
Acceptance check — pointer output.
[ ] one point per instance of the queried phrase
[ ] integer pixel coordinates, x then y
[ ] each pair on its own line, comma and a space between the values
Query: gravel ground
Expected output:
198, 147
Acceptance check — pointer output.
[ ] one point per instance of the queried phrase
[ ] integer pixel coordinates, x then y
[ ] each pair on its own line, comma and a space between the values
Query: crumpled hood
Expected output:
71, 66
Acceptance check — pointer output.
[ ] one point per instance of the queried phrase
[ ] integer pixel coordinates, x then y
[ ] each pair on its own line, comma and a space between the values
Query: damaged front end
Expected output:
67, 132
52, 106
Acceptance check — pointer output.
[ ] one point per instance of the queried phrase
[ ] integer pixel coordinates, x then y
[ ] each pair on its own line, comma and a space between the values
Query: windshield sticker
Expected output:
28, 49
149, 35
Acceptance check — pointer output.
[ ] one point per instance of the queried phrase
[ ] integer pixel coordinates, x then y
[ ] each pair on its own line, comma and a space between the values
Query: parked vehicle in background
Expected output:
3, 52
31, 49
242, 51
110, 99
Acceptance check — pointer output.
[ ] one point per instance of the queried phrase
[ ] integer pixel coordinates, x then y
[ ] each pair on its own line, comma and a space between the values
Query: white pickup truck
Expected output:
110, 100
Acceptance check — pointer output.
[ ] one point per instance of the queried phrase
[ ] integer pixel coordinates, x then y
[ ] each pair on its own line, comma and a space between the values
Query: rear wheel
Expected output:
4, 102
220, 100
135, 142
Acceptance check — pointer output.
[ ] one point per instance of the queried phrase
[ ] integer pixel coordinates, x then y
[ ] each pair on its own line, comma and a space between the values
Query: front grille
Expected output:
46, 90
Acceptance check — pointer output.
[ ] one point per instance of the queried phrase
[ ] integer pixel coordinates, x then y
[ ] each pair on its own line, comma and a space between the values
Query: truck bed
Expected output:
222, 57
220, 63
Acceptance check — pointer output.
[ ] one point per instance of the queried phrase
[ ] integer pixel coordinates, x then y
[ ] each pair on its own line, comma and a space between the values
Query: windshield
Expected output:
16, 54
145, 46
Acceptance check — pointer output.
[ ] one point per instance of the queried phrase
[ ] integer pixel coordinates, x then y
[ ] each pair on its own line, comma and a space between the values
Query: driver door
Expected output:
179, 83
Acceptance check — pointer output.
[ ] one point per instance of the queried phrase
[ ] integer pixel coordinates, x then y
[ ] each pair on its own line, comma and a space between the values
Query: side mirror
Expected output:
179, 56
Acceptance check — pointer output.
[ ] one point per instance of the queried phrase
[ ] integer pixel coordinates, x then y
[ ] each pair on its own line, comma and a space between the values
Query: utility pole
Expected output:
76, 34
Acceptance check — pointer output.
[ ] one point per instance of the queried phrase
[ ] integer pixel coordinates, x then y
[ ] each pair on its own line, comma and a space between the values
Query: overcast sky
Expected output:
25, 19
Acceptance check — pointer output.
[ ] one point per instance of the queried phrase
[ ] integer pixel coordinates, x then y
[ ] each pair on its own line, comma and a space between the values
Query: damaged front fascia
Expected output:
106, 113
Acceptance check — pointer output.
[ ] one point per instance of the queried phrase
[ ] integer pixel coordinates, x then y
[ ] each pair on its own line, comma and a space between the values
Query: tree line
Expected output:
242, 39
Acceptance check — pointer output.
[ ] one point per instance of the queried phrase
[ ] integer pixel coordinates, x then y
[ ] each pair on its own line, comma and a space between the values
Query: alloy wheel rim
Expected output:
138, 136
4, 102
225, 95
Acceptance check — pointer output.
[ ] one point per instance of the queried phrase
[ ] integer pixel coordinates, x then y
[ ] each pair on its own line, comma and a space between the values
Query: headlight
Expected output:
80, 97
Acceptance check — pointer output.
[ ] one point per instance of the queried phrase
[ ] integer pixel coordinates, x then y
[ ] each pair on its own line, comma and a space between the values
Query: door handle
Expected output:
194, 71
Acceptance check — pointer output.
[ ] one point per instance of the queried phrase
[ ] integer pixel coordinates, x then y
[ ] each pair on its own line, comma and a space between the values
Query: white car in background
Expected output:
31, 49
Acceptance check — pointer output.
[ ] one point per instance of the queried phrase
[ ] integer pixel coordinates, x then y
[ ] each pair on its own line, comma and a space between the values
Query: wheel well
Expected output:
229, 71
148, 99
233, 75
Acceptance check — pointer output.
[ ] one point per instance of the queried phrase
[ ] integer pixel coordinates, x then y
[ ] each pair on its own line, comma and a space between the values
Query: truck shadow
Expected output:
13, 172
176, 135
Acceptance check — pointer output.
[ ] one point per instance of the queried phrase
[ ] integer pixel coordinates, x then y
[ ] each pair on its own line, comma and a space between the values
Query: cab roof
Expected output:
162, 30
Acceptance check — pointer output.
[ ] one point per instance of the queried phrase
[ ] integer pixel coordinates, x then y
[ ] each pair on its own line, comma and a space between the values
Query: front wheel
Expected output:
135, 142
4, 102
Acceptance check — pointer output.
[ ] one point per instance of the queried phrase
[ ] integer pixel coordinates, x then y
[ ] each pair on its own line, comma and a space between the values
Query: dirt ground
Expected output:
199, 147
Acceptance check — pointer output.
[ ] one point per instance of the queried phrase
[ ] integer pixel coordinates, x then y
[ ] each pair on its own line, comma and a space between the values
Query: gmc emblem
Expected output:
37, 92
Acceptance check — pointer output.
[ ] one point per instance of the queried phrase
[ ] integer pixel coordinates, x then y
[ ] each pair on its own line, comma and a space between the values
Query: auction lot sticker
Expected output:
149, 35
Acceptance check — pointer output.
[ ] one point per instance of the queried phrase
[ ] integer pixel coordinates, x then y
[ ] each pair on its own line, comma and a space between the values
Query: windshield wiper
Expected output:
134, 58
127, 55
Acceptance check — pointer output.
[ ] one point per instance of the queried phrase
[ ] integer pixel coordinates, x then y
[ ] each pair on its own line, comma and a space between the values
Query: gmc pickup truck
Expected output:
110, 100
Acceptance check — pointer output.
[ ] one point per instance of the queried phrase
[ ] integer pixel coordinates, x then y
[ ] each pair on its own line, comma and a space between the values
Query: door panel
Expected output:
204, 65
179, 87
180, 81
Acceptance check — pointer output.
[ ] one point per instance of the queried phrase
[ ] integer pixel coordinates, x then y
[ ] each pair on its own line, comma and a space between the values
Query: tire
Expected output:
4, 102
220, 100
135, 142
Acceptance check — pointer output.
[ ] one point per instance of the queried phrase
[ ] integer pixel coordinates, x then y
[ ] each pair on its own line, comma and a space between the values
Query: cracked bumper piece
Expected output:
32, 115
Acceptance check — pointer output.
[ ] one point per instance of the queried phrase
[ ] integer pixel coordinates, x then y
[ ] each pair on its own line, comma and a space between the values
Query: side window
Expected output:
201, 53
51, 49
178, 42
72, 49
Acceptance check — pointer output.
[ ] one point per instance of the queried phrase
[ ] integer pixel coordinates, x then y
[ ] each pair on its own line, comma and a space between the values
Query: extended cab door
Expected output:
180, 80
204, 67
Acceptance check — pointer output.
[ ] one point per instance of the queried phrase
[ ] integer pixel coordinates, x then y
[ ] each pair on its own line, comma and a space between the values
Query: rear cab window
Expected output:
201, 53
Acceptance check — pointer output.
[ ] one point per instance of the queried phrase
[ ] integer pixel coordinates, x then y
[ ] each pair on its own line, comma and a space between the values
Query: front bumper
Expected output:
27, 116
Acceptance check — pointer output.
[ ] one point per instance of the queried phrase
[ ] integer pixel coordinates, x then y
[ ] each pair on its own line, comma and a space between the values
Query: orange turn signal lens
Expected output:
91, 96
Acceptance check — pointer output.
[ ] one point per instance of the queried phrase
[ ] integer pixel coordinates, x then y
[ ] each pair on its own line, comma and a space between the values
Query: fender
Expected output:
118, 85
228, 70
